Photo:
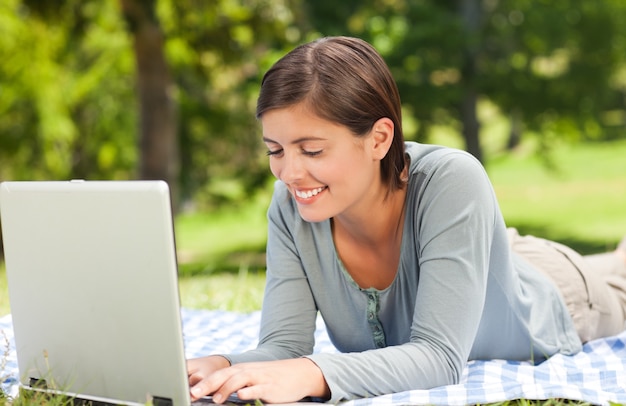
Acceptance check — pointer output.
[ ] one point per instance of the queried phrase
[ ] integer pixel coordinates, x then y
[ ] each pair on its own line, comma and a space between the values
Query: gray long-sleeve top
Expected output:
459, 293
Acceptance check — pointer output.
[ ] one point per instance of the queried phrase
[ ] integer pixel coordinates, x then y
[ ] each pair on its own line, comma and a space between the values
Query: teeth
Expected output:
309, 193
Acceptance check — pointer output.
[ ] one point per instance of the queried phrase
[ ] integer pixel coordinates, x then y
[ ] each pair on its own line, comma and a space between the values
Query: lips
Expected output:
307, 194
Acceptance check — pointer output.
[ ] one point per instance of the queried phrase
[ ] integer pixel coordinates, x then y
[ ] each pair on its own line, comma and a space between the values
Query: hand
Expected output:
272, 382
200, 368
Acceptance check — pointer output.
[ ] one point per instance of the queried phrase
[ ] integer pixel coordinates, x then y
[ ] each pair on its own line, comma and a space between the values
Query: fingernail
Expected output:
217, 398
196, 392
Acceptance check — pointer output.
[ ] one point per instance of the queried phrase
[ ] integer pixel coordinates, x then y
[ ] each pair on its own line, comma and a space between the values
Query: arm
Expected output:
274, 370
289, 310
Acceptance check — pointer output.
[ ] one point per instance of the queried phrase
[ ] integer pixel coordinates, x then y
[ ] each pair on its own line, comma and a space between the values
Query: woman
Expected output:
400, 246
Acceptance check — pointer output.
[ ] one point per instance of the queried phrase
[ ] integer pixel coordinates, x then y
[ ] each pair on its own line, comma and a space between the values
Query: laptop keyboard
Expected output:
232, 400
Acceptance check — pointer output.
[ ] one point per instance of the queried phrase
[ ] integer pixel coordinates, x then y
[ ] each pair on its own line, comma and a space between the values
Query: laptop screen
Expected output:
91, 270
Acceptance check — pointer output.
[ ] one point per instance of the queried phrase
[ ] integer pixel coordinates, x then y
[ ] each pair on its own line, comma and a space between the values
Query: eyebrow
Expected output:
296, 141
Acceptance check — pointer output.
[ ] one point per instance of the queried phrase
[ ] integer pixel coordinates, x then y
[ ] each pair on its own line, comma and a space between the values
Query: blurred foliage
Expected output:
66, 92
68, 107
556, 67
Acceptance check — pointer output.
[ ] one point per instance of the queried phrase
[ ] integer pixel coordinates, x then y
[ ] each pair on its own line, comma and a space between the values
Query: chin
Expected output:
312, 217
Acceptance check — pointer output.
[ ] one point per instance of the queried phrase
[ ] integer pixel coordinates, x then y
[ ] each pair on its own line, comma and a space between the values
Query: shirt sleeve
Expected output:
454, 211
289, 312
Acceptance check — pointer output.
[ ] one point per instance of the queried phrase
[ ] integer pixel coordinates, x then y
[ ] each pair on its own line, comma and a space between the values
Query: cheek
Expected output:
275, 168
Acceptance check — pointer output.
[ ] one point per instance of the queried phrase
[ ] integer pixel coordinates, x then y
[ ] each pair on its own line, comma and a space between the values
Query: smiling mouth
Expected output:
307, 194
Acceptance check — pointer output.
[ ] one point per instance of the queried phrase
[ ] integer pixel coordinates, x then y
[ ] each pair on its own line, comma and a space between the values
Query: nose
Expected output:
289, 168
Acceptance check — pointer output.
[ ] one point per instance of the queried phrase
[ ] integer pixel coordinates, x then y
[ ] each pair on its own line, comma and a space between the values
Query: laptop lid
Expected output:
91, 271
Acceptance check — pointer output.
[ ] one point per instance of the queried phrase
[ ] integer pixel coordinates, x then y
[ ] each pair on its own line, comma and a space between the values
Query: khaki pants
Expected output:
593, 287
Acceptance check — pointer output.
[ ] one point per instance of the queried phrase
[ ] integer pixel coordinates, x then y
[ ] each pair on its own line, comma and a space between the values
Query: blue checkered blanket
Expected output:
596, 375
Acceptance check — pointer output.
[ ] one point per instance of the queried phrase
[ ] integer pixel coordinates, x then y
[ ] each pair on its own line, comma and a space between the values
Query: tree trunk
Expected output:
470, 16
471, 126
515, 135
157, 140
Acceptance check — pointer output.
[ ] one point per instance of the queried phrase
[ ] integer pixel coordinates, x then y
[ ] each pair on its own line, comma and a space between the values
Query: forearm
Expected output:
383, 371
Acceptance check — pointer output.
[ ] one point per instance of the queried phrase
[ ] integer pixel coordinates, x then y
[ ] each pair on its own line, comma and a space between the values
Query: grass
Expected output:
224, 240
581, 201
241, 291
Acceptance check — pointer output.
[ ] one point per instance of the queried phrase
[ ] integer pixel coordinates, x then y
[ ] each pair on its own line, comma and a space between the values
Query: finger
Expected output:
269, 394
193, 366
192, 371
252, 393
238, 381
198, 390
209, 385
194, 379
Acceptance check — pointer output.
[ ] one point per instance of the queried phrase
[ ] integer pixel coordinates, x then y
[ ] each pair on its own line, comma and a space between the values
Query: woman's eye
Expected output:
311, 153
275, 152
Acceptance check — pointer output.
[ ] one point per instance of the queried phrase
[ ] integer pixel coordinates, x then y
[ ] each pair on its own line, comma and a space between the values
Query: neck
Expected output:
376, 224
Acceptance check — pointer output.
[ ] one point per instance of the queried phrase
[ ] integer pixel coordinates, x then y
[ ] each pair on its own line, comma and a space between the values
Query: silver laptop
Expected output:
91, 269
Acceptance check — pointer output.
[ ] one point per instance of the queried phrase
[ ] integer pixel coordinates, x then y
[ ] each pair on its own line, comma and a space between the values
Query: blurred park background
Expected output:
166, 89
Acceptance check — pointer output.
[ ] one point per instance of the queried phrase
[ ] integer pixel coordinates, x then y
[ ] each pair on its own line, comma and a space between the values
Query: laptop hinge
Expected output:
159, 401
38, 383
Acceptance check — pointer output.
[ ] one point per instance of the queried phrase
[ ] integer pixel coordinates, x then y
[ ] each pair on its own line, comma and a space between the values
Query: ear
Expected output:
382, 137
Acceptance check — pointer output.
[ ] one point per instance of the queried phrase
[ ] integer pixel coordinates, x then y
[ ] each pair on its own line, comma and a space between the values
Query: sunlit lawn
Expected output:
229, 239
582, 202
241, 291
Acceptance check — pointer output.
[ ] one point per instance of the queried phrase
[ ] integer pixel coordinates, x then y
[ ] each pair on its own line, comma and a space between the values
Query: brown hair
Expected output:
343, 80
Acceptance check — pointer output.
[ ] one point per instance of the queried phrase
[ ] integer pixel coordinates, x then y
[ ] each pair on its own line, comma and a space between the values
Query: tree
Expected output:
158, 141
218, 52
471, 20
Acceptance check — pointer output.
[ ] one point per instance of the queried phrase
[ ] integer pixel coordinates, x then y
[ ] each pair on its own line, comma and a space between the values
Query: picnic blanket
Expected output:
596, 375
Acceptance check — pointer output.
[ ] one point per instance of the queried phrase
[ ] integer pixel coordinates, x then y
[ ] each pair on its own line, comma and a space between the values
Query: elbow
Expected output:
445, 366
453, 365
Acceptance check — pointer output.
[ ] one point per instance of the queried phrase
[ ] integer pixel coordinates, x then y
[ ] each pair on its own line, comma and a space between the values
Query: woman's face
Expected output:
328, 170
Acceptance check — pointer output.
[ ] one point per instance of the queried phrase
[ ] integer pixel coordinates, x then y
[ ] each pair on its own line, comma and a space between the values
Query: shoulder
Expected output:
447, 184
427, 161
426, 158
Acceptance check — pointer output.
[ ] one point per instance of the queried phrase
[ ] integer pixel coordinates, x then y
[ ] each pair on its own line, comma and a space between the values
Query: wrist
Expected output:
220, 361
319, 386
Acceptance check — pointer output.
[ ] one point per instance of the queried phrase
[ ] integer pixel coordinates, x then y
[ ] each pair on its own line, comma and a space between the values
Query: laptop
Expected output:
92, 275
